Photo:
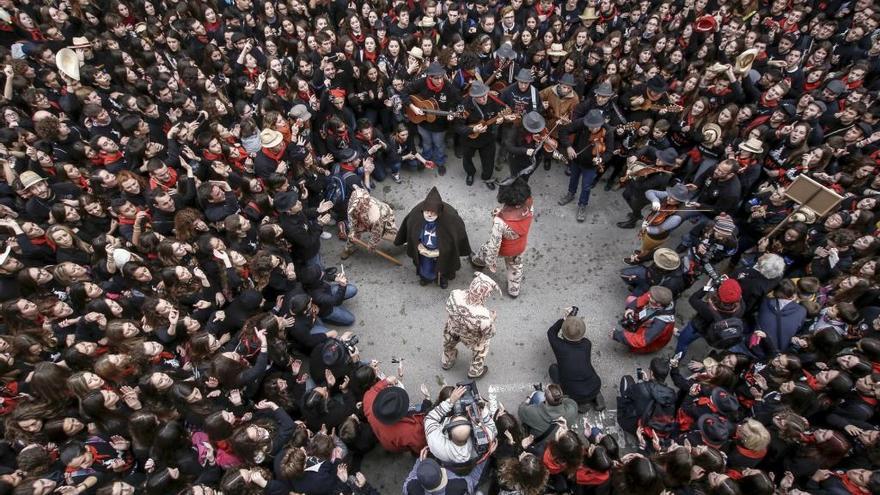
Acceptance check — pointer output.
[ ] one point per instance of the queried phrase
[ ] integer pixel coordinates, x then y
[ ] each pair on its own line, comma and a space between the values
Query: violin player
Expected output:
589, 153
483, 118
666, 215
647, 99
641, 177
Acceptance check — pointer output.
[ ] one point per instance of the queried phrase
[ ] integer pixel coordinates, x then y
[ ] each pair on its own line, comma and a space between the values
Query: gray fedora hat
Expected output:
594, 119
679, 192
534, 122
435, 69
478, 89
506, 51
525, 75
604, 89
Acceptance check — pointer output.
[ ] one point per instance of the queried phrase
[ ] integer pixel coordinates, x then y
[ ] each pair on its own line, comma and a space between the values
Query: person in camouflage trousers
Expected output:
510, 231
471, 323
367, 214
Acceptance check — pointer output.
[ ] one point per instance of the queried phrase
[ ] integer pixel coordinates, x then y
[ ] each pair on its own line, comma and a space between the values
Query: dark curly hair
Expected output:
514, 194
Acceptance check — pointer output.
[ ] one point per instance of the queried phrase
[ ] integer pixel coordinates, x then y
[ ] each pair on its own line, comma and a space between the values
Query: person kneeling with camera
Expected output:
460, 431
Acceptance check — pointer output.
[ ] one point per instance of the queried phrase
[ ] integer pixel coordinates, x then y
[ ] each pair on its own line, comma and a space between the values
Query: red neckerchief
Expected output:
109, 158
540, 11
810, 86
745, 163
552, 465
251, 73
358, 38
36, 34
212, 156
587, 476
275, 155
605, 18
168, 184
768, 103
130, 221
361, 137
853, 84
849, 485
304, 95
347, 166
341, 136
158, 358
868, 400
811, 381
211, 26
371, 56
436, 88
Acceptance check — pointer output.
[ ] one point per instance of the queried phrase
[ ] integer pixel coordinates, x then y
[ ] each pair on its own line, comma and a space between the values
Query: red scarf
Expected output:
168, 184
105, 158
275, 155
130, 221
587, 476
849, 485
436, 88
371, 56
251, 73
768, 103
853, 84
811, 381
36, 35
158, 358
211, 26
810, 86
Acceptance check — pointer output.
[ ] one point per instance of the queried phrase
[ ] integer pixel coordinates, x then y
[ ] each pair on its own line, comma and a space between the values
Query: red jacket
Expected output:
406, 434
654, 328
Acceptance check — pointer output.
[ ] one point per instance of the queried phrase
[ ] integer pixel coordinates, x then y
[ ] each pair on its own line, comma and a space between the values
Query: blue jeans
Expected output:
316, 261
686, 337
318, 329
413, 164
585, 176
341, 316
433, 145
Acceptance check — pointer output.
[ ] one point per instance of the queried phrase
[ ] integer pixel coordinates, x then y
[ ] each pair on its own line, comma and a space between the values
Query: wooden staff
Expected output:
377, 251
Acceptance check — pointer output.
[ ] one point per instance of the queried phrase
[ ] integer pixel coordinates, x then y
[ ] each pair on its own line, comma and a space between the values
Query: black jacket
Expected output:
303, 233
577, 377
451, 234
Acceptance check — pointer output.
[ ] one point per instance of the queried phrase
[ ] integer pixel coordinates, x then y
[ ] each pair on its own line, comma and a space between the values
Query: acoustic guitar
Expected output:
431, 109
490, 122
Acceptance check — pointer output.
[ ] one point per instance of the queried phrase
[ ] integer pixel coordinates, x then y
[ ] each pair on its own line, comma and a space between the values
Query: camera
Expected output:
469, 407
351, 343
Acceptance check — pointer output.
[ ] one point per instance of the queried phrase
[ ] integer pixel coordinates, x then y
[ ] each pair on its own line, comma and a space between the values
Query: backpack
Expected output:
725, 333
660, 414
335, 191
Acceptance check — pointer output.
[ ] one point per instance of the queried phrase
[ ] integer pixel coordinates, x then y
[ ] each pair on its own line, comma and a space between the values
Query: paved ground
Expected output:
567, 263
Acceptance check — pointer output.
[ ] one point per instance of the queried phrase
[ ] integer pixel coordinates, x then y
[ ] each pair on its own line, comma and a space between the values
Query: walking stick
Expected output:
377, 251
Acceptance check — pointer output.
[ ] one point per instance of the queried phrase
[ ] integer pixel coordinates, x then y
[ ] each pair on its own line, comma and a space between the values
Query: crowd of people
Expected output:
170, 169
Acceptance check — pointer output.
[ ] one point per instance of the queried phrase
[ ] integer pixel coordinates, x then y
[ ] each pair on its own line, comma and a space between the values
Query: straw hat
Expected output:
589, 14
745, 60
711, 132
556, 50
752, 145
426, 22
416, 52
28, 178
68, 63
80, 42
270, 138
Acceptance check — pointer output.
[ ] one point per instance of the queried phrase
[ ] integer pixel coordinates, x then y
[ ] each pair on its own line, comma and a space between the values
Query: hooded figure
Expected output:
367, 214
435, 238
510, 231
471, 323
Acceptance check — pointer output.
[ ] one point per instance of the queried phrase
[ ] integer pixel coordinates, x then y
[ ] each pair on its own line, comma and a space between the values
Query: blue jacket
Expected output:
780, 325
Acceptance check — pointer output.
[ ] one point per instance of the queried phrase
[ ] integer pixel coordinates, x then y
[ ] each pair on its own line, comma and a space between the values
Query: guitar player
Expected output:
482, 109
646, 100
433, 86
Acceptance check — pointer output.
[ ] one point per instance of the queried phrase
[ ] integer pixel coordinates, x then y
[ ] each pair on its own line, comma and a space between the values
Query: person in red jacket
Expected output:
648, 322
510, 233
386, 406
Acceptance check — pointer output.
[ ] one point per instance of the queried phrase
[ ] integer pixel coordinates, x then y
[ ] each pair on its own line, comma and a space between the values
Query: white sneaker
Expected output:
326, 235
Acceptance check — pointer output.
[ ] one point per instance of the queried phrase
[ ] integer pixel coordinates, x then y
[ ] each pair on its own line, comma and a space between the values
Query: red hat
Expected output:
706, 24
338, 93
729, 291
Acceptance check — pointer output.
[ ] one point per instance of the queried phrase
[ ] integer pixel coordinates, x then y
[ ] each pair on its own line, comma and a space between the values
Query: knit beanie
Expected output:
729, 291
724, 225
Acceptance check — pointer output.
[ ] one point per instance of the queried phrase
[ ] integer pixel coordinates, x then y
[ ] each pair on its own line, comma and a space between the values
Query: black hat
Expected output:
865, 128
299, 303
435, 69
237, 36
657, 84
333, 353
347, 154
390, 405
667, 156
788, 109
431, 476
534, 122
525, 75
594, 119
284, 201
568, 80
433, 201
724, 401
714, 429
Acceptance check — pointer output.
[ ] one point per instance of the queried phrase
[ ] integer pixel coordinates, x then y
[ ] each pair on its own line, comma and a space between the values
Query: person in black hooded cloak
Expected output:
435, 238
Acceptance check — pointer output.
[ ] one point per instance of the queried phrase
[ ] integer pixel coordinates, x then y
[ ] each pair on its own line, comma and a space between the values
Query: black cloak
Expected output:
452, 235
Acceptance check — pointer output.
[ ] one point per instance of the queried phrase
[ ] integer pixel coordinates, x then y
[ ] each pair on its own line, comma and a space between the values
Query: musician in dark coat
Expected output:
435, 238
590, 151
434, 86
652, 173
523, 145
480, 106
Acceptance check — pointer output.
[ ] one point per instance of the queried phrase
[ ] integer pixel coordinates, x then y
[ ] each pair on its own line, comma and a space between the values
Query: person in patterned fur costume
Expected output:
368, 215
510, 231
471, 323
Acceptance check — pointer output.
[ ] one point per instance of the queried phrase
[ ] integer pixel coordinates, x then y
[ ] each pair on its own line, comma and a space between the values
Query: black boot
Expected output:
443, 282
630, 221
